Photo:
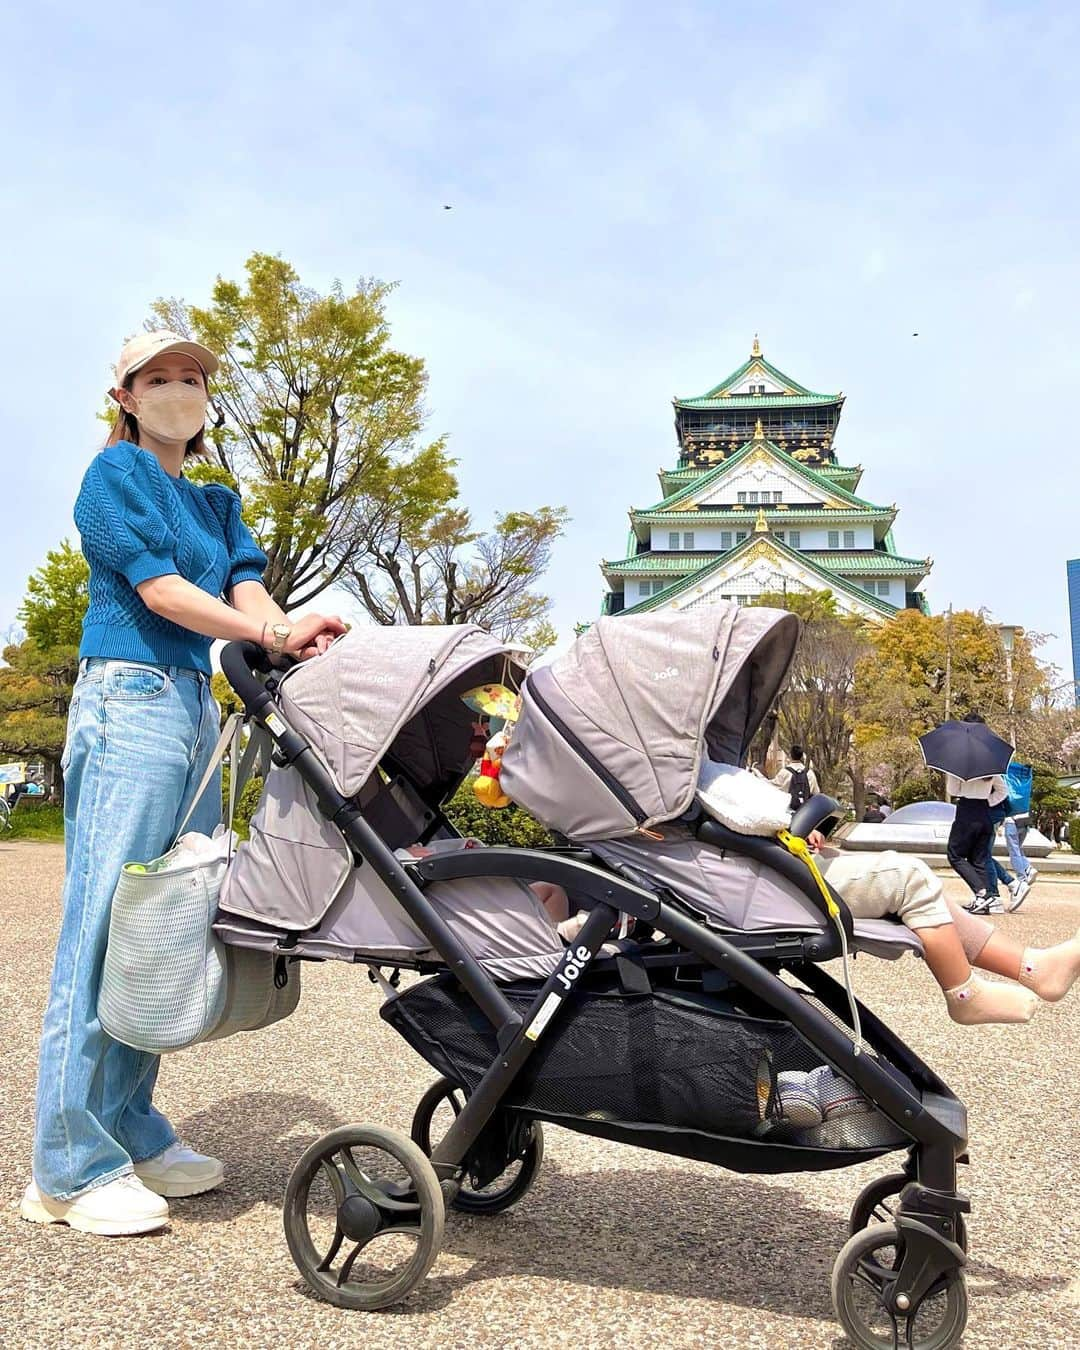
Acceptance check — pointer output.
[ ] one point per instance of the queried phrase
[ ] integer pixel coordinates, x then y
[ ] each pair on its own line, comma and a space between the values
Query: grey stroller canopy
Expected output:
611, 735
384, 711
396, 691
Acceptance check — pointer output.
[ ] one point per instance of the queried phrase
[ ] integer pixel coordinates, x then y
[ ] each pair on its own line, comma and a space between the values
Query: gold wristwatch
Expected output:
281, 633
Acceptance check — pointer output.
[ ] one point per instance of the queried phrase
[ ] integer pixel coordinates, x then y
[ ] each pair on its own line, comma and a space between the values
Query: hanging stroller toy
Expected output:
684, 1040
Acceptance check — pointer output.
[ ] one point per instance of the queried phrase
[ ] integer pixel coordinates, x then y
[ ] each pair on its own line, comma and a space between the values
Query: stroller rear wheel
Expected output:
440, 1105
363, 1217
864, 1283
878, 1203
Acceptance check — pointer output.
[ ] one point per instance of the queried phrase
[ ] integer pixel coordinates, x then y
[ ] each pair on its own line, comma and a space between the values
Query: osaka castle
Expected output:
757, 503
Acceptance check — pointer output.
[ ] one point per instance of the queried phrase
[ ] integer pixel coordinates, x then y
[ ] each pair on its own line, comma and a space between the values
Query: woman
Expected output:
141, 729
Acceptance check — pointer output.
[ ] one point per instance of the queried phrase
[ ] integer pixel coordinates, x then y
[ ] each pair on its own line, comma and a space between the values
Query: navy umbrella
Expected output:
965, 749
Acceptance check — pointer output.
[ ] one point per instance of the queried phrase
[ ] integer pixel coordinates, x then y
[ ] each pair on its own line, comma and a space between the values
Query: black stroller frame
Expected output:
925, 1230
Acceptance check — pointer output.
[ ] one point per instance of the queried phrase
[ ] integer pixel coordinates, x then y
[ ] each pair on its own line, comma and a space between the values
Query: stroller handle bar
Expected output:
239, 663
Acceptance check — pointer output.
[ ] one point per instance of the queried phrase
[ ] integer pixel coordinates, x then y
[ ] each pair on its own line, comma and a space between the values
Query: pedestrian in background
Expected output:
797, 778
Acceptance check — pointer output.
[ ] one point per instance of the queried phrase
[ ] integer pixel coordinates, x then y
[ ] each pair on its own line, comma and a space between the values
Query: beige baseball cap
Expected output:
145, 346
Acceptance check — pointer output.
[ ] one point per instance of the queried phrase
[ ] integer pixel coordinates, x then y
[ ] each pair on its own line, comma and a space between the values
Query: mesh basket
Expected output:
675, 1059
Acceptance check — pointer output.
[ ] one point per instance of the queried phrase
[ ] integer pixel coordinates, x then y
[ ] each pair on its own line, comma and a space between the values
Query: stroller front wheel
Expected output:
871, 1312
363, 1217
438, 1108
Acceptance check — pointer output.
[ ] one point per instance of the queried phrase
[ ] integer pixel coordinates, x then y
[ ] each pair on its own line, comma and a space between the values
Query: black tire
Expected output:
506, 1190
393, 1192
875, 1204
864, 1268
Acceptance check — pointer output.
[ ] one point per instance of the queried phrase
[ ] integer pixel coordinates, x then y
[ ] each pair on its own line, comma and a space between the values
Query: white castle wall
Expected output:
709, 536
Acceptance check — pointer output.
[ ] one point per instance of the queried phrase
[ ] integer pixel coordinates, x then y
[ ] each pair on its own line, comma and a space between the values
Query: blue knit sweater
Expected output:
138, 522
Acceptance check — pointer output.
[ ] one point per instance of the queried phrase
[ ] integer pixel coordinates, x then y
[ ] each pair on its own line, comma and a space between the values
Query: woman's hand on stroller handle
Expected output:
312, 634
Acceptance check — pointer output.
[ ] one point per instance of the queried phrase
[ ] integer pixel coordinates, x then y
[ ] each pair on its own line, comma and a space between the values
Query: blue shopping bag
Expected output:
1018, 781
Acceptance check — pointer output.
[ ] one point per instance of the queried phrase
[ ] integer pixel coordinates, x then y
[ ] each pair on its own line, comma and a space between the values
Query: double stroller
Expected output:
692, 994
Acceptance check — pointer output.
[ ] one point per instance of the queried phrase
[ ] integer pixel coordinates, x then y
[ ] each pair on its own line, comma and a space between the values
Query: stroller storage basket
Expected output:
672, 1059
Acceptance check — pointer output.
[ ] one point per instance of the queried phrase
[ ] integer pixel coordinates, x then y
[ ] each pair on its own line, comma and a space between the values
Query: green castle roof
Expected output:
856, 562
830, 581
671, 480
795, 394
812, 476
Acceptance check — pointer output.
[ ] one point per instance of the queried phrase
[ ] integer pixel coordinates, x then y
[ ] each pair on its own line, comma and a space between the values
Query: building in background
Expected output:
1072, 571
758, 503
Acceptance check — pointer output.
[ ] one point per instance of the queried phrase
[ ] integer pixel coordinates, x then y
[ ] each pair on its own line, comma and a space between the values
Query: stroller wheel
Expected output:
879, 1201
363, 1217
438, 1108
863, 1281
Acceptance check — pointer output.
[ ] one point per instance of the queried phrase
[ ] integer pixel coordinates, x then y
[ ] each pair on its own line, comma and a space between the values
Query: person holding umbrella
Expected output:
973, 760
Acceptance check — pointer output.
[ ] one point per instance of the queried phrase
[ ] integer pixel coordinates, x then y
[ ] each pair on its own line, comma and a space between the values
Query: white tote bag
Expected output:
168, 982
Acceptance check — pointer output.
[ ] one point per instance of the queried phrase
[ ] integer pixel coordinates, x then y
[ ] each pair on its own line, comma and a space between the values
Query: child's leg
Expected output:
874, 885
1049, 971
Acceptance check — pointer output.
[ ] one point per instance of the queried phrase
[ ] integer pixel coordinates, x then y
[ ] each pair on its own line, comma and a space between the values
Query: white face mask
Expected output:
173, 411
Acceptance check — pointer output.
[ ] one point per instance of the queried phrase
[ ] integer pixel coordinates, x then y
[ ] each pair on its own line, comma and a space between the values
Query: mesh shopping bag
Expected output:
167, 981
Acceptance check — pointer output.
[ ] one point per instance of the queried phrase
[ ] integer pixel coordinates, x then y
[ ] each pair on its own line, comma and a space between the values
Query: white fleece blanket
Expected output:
741, 800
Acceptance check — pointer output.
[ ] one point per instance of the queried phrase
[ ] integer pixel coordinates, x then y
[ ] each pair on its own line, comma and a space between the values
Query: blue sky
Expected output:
637, 189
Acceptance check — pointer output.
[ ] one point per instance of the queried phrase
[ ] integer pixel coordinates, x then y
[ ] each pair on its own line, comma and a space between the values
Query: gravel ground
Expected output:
613, 1246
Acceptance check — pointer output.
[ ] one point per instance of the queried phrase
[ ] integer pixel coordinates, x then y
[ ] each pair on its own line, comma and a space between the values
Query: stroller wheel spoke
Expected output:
380, 1194
332, 1172
347, 1265
332, 1250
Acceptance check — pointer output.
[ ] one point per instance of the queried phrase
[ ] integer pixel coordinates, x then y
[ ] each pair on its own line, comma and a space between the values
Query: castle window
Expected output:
849, 538
753, 499
795, 538
779, 534
673, 539
688, 539
834, 538
725, 539
742, 498
778, 496
740, 535
883, 588
650, 587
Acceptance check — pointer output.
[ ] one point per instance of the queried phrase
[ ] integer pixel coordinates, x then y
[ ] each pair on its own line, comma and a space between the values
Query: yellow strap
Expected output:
801, 849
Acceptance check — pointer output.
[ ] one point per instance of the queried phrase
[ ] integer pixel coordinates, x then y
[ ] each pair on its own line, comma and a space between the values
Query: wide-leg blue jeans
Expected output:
139, 739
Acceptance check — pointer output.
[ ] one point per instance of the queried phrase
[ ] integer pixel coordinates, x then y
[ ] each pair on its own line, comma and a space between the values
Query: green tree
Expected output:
818, 709
1051, 803
319, 421
40, 671
508, 825
920, 666
35, 692
56, 598
430, 565
312, 408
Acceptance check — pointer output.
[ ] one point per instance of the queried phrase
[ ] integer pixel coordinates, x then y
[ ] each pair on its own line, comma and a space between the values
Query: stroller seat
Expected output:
730, 891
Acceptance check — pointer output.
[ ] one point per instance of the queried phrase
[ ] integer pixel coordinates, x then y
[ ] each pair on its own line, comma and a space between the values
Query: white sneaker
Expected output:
1019, 888
118, 1209
180, 1171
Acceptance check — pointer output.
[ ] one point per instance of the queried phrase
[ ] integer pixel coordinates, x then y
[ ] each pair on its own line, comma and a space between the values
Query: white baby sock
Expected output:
1050, 971
977, 1001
